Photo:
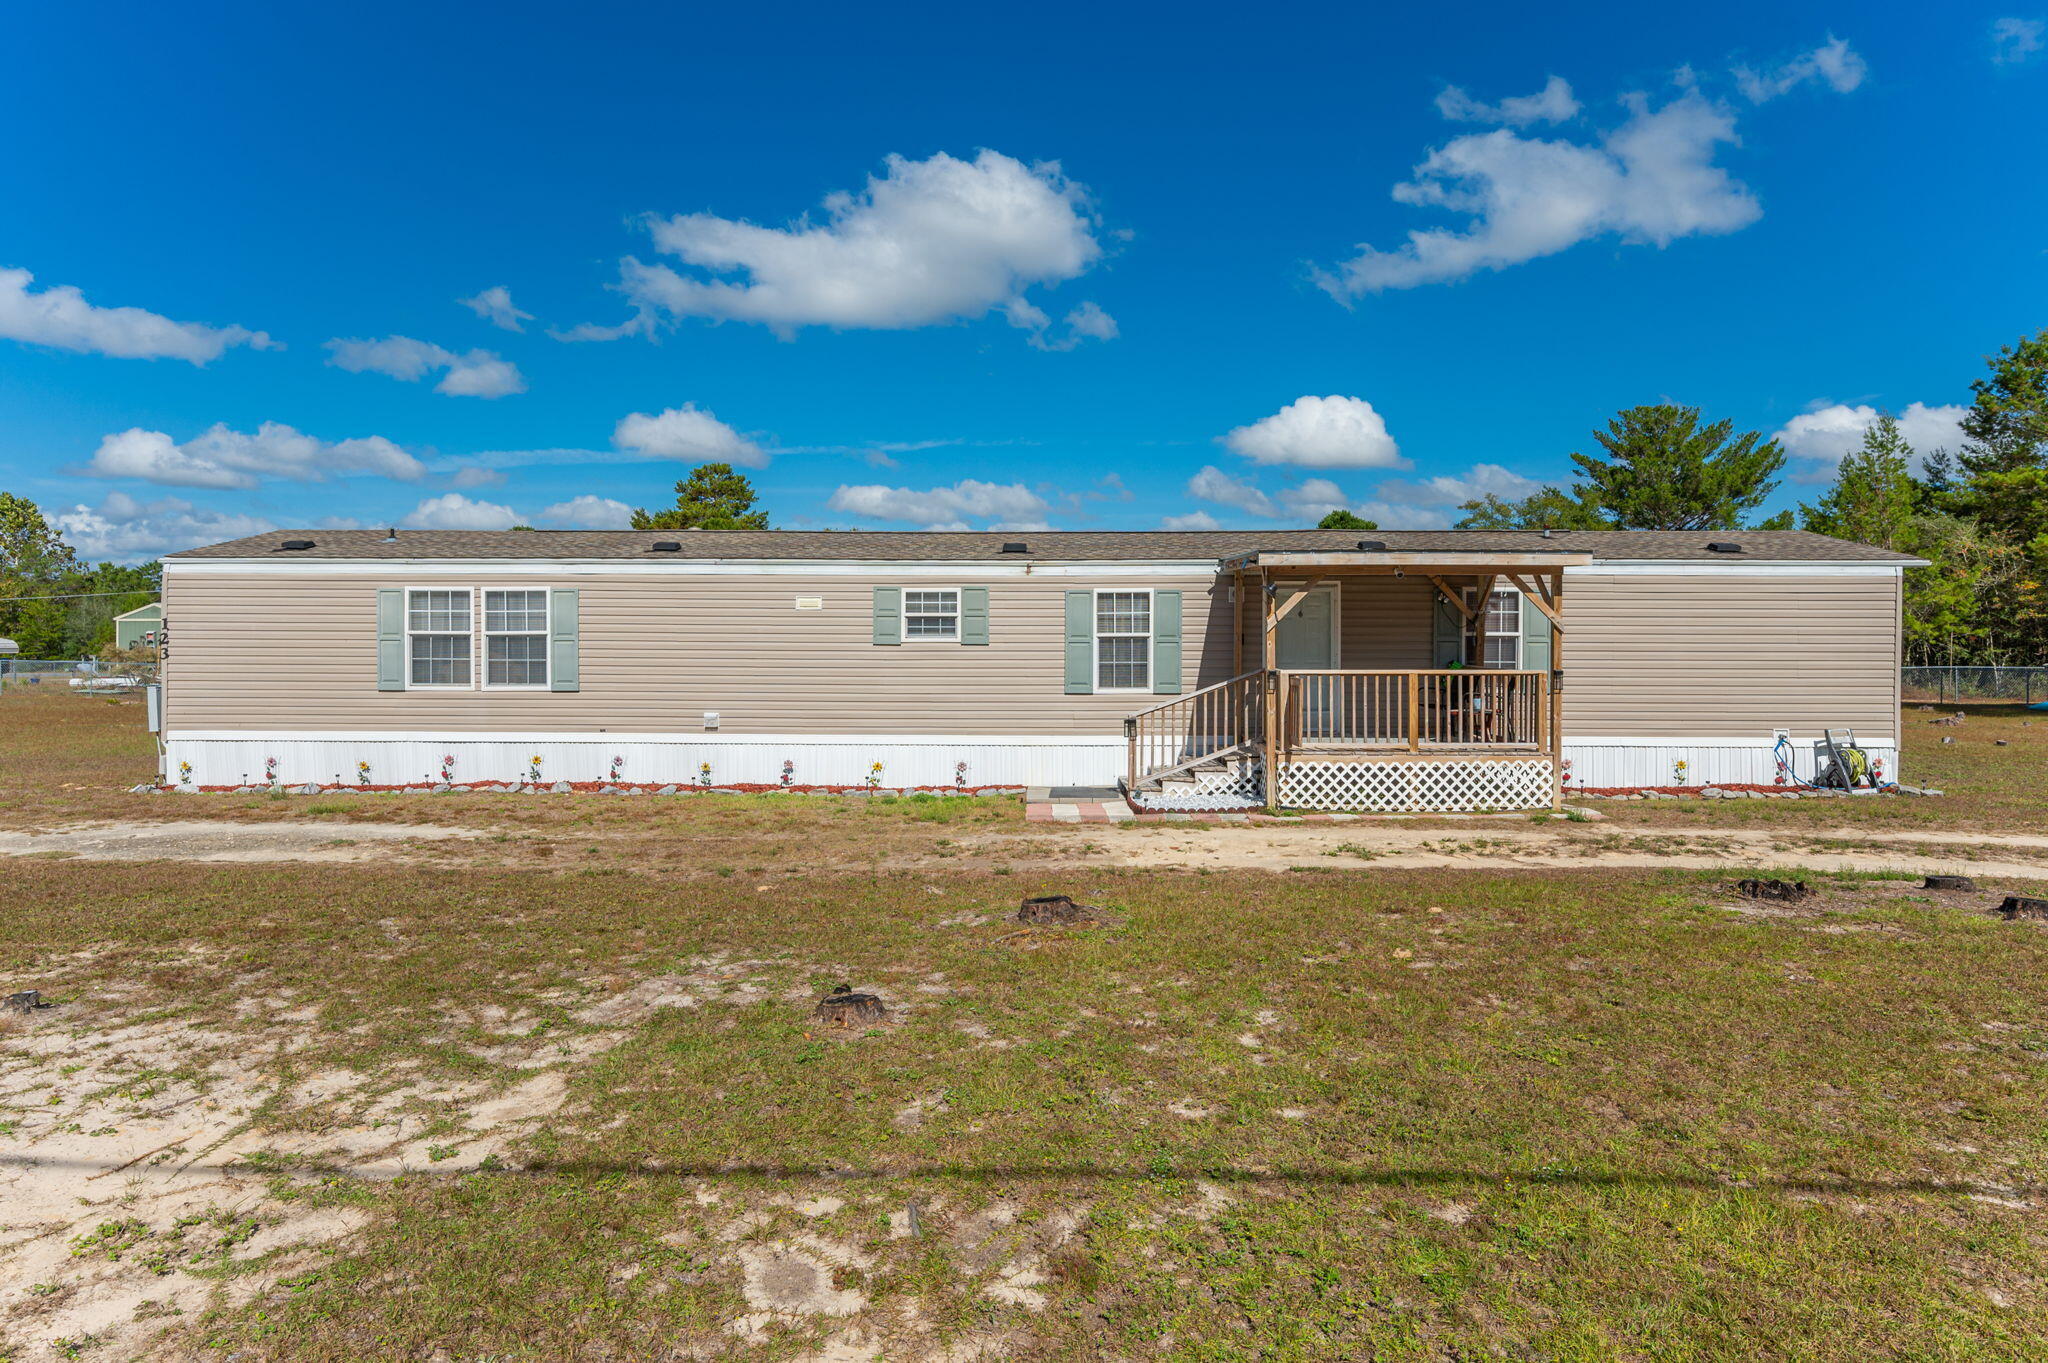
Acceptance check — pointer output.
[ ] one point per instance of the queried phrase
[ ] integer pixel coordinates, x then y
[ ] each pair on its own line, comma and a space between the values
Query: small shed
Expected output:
143, 625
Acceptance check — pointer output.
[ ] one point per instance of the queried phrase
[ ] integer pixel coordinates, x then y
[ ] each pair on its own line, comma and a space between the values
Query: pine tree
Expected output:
1664, 471
2004, 488
1874, 496
1549, 508
713, 497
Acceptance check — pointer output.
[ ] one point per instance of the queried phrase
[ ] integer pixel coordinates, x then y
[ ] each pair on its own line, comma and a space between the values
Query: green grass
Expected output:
1570, 1116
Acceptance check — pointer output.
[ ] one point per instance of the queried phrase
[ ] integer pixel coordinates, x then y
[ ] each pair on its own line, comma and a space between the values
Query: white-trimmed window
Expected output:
437, 637
931, 615
1503, 630
1123, 640
516, 638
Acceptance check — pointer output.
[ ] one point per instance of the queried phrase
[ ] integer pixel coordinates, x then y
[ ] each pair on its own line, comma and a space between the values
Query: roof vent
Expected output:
1016, 547
391, 535
1724, 547
296, 544
668, 547
1372, 546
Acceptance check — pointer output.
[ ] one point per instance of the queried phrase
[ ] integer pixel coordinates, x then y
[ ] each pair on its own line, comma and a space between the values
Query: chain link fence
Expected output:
80, 676
1979, 685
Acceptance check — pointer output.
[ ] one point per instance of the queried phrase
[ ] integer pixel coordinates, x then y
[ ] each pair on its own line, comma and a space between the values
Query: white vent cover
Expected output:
810, 603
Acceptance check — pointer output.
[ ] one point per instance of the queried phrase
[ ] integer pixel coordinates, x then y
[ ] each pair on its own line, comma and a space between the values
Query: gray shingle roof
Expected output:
1674, 546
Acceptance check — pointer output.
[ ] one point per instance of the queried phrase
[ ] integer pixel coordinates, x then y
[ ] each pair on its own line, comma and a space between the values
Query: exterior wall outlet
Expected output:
711, 719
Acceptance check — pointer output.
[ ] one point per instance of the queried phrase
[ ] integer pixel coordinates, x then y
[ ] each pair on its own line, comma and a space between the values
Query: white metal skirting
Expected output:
1596, 763
229, 758
237, 757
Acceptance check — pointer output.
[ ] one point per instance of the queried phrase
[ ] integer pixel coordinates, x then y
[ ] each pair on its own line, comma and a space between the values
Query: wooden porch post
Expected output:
1270, 656
1557, 690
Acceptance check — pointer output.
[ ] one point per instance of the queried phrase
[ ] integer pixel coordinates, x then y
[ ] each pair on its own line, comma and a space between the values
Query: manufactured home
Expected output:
1315, 669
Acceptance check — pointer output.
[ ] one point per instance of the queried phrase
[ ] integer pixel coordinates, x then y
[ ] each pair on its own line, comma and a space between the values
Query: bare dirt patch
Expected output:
1393, 846
210, 840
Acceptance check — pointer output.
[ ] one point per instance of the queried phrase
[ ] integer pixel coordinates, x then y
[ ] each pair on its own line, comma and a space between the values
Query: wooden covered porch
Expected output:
1467, 733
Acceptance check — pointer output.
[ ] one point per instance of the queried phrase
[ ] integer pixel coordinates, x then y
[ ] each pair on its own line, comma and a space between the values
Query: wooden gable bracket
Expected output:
1536, 598
1273, 620
1457, 599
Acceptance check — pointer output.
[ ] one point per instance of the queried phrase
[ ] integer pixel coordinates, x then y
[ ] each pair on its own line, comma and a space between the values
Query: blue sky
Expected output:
1112, 266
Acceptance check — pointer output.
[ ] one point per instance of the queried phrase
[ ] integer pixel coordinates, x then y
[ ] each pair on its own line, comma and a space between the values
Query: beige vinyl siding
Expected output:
276, 651
1678, 656
1712, 656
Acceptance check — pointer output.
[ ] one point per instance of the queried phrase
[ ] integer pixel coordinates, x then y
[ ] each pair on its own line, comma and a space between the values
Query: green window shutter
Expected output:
1080, 643
391, 638
562, 640
1166, 643
1535, 638
974, 615
888, 615
1447, 634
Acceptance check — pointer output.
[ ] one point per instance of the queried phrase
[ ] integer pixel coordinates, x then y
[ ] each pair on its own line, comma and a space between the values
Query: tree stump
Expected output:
1948, 883
1055, 910
844, 1008
2022, 906
1782, 891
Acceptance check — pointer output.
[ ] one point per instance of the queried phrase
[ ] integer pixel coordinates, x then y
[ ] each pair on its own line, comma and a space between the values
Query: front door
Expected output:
1306, 640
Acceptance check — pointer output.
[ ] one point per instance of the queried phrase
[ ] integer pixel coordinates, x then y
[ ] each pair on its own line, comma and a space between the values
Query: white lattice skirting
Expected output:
1416, 787
1237, 786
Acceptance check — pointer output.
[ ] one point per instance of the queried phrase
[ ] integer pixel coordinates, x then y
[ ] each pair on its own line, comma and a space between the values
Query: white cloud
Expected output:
1479, 481
494, 305
589, 512
478, 374
227, 458
125, 530
1552, 104
453, 511
469, 476
1312, 499
944, 508
1396, 504
1090, 322
1825, 434
1214, 485
1652, 180
1833, 62
2015, 40
1319, 433
60, 317
925, 242
687, 433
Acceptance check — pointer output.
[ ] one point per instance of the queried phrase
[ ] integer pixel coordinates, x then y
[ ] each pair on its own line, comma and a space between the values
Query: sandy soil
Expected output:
203, 840
1555, 846
1505, 847
152, 1167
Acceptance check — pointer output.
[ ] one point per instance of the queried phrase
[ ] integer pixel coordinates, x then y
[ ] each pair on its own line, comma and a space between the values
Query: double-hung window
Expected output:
932, 614
1503, 630
1123, 641
516, 638
437, 637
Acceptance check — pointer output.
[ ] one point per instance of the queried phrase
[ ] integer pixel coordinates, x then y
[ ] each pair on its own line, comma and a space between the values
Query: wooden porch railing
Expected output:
1413, 710
1187, 730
